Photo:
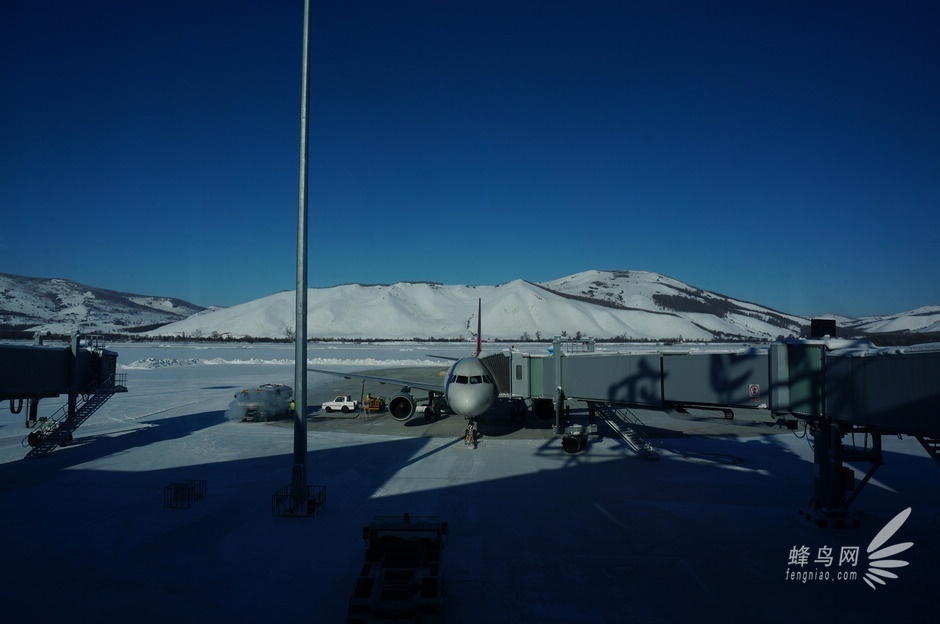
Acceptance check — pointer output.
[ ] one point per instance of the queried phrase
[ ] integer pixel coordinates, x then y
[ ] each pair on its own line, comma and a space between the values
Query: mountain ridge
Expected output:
612, 304
627, 305
61, 306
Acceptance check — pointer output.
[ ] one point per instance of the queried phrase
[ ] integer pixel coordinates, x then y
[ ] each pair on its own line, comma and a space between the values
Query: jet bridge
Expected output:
82, 369
842, 387
835, 387
667, 379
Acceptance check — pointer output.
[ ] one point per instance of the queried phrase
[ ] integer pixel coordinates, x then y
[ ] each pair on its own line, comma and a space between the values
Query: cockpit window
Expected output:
475, 379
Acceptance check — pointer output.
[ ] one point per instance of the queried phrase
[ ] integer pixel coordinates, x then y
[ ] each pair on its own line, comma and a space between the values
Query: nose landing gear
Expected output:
471, 434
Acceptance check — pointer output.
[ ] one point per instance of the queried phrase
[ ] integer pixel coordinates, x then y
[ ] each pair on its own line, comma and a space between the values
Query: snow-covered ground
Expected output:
710, 533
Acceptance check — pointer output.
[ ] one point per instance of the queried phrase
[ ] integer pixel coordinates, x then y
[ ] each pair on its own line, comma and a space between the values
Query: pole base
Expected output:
283, 502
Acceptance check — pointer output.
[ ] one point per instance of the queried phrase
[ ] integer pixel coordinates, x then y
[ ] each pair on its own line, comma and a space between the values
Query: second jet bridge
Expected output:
836, 387
666, 379
849, 382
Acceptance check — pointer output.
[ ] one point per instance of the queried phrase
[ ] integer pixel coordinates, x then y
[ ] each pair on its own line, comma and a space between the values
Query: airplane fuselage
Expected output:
469, 389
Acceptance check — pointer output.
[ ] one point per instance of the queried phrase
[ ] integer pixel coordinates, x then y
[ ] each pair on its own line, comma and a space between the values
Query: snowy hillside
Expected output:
628, 305
62, 306
633, 305
921, 320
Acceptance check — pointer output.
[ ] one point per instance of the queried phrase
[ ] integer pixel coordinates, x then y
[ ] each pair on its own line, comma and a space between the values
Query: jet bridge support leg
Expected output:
560, 416
72, 405
32, 415
834, 488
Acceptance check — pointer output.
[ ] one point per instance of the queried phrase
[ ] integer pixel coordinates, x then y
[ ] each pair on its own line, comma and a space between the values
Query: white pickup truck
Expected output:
342, 402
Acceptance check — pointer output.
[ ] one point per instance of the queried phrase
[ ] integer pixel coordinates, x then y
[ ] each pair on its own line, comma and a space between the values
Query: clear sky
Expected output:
785, 153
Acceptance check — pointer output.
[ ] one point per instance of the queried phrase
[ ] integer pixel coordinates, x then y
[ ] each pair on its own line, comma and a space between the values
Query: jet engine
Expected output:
402, 406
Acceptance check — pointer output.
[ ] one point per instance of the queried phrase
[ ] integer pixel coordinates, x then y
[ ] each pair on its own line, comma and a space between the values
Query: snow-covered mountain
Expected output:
631, 305
627, 305
921, 320
62, 306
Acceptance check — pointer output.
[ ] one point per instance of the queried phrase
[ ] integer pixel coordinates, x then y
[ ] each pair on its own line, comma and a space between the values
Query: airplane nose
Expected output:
471, 401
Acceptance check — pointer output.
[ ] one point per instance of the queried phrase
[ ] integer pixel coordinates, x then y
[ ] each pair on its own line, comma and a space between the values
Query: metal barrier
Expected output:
282, 502
183, 494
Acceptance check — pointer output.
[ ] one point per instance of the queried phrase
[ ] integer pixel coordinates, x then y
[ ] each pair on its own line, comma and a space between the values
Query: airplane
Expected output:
468, 389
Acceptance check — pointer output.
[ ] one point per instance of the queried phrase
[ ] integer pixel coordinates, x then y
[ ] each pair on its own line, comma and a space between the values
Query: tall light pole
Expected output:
299, 470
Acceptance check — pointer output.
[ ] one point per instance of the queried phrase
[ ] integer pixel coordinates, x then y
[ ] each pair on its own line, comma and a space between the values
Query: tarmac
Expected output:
499, 421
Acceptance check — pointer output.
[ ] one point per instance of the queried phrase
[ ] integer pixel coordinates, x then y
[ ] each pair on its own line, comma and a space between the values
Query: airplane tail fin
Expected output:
479, 326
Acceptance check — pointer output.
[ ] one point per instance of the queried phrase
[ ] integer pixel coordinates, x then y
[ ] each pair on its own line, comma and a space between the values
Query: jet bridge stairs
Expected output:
627, 426
57, 430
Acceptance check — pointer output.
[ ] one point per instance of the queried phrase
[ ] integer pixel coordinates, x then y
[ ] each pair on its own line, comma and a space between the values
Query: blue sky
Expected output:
785, 153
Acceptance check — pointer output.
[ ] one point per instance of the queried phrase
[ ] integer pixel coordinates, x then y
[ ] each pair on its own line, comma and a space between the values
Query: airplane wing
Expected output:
385, 380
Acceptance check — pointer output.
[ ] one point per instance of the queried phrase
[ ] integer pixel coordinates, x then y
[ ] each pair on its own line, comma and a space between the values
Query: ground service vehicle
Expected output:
343, 403
263, 403
402, 576
374, 404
